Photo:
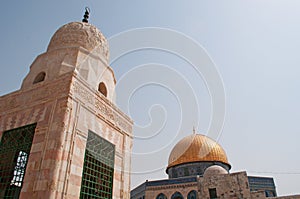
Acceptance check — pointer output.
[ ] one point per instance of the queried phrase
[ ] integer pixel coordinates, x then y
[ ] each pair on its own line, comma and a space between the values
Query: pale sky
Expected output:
254, 44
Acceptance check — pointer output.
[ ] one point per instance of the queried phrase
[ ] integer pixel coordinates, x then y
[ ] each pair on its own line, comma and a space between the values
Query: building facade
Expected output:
61, 136
198, 168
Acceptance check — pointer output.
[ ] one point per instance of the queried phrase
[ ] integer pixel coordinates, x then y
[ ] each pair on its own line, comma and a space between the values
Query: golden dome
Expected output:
197, 148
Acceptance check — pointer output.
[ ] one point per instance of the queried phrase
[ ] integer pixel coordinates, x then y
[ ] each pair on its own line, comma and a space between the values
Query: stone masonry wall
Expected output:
64, 110
228, 186
44, 104
92, 111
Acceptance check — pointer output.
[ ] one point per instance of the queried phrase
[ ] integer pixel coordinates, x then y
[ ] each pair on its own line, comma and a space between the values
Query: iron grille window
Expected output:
19, 170
98, 168
15, 148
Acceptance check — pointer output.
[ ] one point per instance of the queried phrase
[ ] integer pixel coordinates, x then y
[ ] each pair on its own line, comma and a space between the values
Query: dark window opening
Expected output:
98, 168
192, 195
102, 89
161, 196
177, 195
270, 193
15, 148
213, 193
186, 171
39, 78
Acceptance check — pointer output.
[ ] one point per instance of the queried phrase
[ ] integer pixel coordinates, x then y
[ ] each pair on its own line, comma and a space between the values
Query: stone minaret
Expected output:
61, 134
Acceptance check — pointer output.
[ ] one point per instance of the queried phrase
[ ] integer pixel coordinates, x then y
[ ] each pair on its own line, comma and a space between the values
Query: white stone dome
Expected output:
80, 34
214, 170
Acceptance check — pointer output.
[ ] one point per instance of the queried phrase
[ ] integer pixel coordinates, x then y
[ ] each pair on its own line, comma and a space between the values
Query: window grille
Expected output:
15, 148
98, 169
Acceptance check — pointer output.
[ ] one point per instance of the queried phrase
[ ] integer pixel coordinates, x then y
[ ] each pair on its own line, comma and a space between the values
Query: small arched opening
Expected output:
102, 89
39, 78
161, 196
177, 195
192, 195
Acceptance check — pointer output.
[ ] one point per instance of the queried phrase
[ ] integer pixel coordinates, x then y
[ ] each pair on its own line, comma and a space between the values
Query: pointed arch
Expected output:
192, 195
177, 195
102, 89
161, 196
39, 78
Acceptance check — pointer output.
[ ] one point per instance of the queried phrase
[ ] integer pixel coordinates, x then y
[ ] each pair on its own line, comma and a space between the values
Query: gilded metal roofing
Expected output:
197, 148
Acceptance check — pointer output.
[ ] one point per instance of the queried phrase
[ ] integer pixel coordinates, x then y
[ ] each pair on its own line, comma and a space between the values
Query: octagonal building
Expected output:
198, 168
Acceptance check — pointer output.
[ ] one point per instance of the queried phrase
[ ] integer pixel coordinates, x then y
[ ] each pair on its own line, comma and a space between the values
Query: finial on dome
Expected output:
86, 15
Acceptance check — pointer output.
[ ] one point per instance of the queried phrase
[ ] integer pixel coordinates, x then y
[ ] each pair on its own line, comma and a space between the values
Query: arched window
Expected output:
102, 89
161, 196
192, 195
177, 195
39, 78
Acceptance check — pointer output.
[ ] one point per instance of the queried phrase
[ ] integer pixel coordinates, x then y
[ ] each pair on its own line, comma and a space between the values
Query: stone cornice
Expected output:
173, 186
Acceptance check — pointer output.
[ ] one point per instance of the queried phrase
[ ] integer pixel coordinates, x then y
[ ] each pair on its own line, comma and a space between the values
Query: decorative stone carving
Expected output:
79, 34
102, 107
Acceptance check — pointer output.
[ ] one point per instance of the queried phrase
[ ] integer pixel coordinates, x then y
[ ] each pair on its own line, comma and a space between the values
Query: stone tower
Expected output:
61, 136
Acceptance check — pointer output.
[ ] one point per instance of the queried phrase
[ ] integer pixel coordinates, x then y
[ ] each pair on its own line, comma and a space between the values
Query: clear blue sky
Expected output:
255, 45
